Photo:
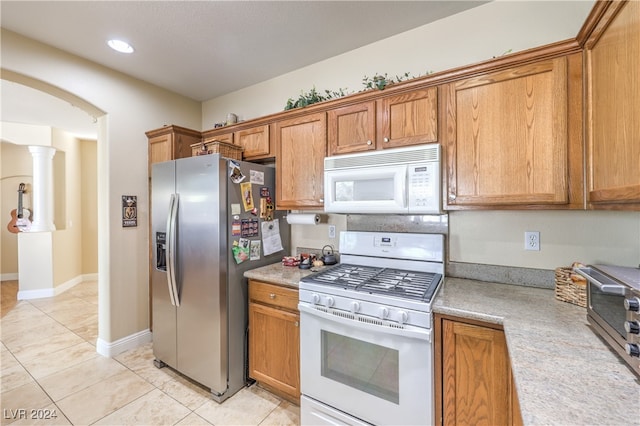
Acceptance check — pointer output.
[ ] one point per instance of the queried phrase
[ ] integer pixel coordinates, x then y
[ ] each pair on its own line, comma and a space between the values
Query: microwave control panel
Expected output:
423, 182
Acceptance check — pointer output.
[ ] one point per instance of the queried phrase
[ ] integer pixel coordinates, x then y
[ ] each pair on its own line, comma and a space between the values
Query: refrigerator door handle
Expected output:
171, 250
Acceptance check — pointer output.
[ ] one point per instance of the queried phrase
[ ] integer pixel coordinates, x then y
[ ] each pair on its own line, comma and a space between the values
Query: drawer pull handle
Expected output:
296, 323
272, 296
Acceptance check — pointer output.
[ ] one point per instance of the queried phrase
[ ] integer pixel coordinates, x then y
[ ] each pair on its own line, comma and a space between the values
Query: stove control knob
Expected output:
632, 304
329, 302
402, 317
383, 312
632, 349
632, 327
315, 297
355, 307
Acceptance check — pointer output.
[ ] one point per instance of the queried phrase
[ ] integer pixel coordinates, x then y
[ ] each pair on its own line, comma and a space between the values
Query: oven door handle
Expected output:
351, 320
617, 289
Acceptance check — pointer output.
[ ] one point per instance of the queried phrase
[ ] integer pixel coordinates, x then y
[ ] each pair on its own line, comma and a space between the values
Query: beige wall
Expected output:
89, 206
67, 239
131, 108
74, 242
15, 167
468, 37
497, 238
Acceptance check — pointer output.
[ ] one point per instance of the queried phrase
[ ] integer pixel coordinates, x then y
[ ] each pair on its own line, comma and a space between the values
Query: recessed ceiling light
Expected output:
120, 46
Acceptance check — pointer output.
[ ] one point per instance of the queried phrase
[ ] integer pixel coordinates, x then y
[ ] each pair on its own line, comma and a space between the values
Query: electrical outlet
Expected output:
332, 231
532, 240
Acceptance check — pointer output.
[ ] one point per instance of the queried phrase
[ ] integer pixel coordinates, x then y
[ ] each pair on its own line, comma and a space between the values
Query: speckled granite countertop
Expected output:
284, 275
564, 374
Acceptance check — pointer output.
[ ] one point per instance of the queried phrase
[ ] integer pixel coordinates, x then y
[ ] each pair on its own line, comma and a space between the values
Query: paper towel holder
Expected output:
303, 218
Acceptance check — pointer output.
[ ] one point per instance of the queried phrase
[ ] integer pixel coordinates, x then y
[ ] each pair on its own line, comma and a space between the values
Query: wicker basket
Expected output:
570, 290
227, 150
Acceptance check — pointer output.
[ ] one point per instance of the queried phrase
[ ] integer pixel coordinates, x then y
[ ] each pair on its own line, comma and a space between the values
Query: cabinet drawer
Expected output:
274, 295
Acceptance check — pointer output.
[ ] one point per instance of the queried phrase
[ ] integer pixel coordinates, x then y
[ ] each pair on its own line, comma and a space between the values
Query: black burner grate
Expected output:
385, 281
344, 275
404, 284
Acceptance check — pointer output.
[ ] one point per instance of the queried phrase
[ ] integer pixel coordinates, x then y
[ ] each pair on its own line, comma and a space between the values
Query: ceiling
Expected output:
204, 49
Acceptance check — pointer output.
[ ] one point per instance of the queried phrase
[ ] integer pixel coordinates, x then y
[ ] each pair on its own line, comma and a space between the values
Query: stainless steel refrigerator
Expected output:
208, 214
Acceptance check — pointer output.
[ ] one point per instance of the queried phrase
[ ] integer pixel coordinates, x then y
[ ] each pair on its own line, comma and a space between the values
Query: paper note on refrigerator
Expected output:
271, 240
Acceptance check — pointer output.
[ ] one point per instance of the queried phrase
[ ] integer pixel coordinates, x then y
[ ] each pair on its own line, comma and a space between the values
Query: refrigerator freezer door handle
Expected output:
171, 250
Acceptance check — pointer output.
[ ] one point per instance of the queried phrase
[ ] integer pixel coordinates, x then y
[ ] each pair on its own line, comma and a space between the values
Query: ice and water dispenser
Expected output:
161, 251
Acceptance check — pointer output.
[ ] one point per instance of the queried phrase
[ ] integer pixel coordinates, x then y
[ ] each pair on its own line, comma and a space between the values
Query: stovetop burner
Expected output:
345, 276
384, 281
400, 283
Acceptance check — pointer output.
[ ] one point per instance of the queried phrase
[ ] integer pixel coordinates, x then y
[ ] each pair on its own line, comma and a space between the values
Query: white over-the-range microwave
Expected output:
394, 181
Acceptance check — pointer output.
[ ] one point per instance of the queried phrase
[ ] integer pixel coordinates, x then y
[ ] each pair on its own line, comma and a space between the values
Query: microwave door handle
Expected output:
605, 288
404, 183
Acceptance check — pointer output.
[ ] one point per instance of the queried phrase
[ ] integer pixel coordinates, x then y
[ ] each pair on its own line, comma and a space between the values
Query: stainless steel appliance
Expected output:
396, 181
202, 211
366, 353
613, 308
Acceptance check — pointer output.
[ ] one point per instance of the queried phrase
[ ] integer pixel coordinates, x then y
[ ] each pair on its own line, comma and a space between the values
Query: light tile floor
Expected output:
50, 366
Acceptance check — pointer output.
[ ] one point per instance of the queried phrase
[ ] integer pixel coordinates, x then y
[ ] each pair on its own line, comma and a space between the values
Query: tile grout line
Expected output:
36, 381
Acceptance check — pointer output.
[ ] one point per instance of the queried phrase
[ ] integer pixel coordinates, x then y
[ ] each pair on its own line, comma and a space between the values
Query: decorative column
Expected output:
42, 197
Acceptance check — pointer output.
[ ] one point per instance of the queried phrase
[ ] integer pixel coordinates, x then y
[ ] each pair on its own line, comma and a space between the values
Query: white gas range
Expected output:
366, 349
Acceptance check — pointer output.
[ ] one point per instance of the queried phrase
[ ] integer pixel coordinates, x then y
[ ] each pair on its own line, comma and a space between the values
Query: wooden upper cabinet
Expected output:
226, 137
171, 143
352, 128
255, 141
409, 118
404, 119
300, 147
513, 137
613, 109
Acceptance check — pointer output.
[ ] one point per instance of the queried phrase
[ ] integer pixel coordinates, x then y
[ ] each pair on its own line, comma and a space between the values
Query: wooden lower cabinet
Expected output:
274, 339
474, 384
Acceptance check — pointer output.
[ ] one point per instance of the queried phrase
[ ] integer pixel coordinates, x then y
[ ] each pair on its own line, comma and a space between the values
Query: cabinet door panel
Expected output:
408, 119
274, 342
160, 149
222, 137
614, 108
507, 136
255, 142
352, 128
476, 375
301, 145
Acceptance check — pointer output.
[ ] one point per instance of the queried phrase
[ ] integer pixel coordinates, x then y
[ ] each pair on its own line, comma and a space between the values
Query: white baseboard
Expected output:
9, 277
50, 292
111, 349
36, 294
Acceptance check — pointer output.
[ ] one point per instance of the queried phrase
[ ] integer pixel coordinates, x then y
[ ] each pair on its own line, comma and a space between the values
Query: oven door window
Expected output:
609, 307
361, 365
